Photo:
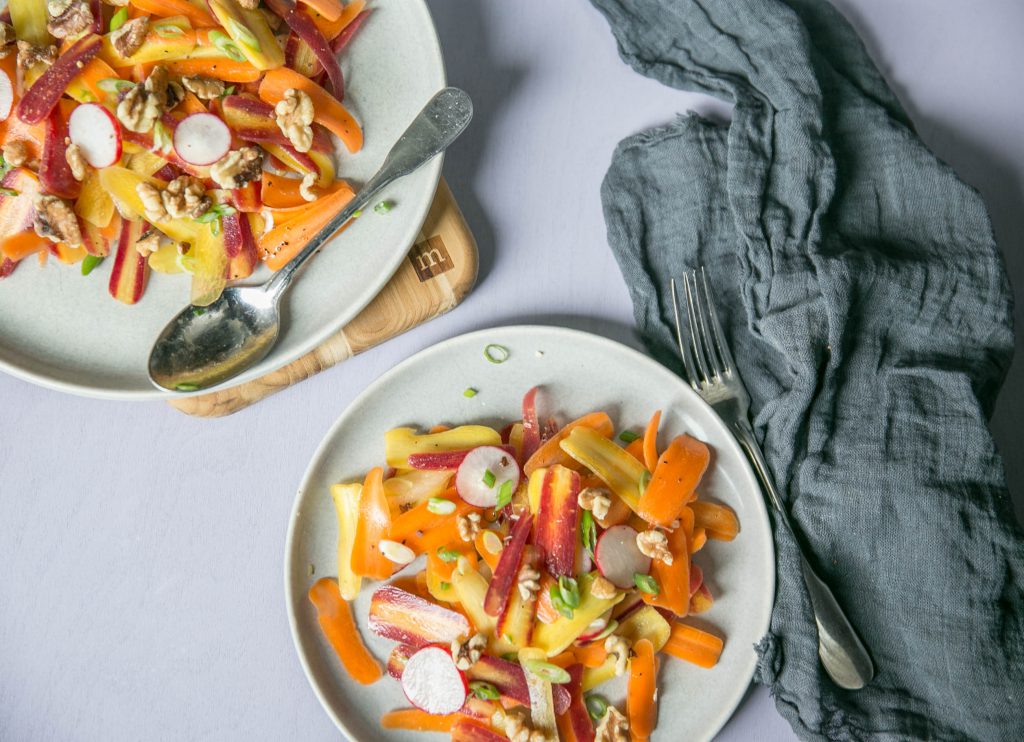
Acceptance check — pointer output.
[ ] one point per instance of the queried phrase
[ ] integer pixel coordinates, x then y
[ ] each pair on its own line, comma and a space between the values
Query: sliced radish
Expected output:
618, 557
433, 683
595, 627
483, 473
97, 133
6, 95
202, 139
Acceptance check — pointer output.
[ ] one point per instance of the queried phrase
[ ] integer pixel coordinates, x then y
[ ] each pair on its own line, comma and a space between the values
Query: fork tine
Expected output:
684, 350
694, 321
718, 337
702, 301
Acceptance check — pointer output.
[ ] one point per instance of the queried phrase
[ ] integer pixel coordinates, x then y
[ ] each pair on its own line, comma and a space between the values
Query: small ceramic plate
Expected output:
577, 373
64, 331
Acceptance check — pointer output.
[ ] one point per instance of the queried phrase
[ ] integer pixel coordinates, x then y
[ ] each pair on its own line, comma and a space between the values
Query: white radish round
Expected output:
619, 558
483, 474
6, 95
433, 683
97, 133
202, 139
595, 627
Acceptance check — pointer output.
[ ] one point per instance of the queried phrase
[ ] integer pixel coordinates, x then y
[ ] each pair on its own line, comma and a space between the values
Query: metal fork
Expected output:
712, 373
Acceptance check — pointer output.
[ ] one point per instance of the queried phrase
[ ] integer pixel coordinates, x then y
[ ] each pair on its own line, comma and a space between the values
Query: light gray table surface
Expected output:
141, 551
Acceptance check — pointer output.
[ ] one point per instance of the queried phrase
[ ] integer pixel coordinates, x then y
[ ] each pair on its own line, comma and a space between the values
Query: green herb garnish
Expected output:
167, 30
90, 262
9, 192
628, 436
488, 478
198, 311
646, 584
447, 555
243, 35
445, 585
469, 393
440, 506
383, 207
558, 603
596, 707
547, 671
496, 353
588, 532
484, 690
645, 479
570, 591
118, 19
504, 494
223, 42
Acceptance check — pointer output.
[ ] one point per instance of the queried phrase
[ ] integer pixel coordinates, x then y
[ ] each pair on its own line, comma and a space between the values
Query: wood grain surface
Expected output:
440, 270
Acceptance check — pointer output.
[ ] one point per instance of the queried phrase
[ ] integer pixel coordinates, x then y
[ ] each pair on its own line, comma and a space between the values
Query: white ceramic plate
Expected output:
63, 330
578, 373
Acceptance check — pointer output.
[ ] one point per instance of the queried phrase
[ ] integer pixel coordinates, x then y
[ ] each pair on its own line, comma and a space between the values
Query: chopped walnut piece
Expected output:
6, 37
29, 55
515, 725
153, 204
119, 3
528, 583
602, 588
237, 168
68, 18
146, 102
56, 221
596, 500
306, 187
129, 38
467, 653
613, 727
617, 647
76, 161
249, 4
654, 543
15, 153
468, 525
148, 244
294, 115
206, 88
183, 197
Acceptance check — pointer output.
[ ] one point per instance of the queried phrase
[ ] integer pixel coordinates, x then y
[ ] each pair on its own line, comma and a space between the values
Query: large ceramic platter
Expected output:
577, 373
63, 330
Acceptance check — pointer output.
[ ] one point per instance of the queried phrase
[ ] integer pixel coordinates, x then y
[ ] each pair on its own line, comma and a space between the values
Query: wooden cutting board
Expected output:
440, 270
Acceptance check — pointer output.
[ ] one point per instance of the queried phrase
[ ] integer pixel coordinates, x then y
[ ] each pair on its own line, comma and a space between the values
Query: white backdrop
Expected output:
141, 590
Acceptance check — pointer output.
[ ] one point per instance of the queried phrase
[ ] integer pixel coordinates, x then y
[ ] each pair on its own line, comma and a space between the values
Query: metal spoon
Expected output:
198, 350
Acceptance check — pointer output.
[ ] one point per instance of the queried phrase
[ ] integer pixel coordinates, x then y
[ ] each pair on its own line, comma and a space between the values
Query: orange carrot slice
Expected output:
651, 441
285, 241
330, 29
635, 448
166, 8
329, 9
591, 655
327, 110
224, 69
21, 245
640, 693
673, 480
418, 721
374, 522
718, 521
693, 645
336, 622
674, 579
700, 537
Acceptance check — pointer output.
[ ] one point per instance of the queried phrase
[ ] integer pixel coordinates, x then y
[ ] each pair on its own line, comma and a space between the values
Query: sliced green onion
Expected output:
167, 30
570, 591
646, 584
383, 207
469, 393
447, 555
243, 35
608, 631
114, 84
496, 353
504, 494
547, 671
215, 228
161, 139
510, 657
87, 97
187, 387
357, 213
588, 532
488, 478
9, 192
628, 436
118, 19
198, 311
597, 707
90, 262
440, 506
484, 690
229, 90
223, 42
558, 603
645, 479
445, 585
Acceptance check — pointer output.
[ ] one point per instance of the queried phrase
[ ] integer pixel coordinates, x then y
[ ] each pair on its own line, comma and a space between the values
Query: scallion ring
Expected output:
496, 353
547, 671
440, 506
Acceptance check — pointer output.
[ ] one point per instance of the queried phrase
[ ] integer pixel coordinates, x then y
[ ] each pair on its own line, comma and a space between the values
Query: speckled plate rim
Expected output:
749, 490
434, 58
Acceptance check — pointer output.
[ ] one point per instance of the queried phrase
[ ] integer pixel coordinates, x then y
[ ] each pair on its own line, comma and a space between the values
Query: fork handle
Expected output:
842, 654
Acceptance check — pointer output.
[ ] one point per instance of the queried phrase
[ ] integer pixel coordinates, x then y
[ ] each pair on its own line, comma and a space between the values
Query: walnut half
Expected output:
205, 88
145, 103
238, 167
654, 543
76, 161
129, 38
68, 18
294, 113
467, 653
56, 221
613, 727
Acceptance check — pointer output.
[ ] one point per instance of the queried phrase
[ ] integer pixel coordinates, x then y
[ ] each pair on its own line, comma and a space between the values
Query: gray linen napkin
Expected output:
871, 319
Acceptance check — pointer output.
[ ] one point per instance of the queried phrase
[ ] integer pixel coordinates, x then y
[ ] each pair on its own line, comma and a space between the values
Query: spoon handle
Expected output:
439, 124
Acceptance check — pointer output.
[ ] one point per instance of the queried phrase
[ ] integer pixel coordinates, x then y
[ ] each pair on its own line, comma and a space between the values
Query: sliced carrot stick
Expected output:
329, 9
482, 541
327, 110
551, 453
283, 195
700, 537
418, 721
591, 655
167, 8
635, 448
21, 245
330, 29
674, 480
564, 659
640, 693
224, 69
336, 622
651, 441
374, 521
719, 521
674, 579
693, 645
285, 241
